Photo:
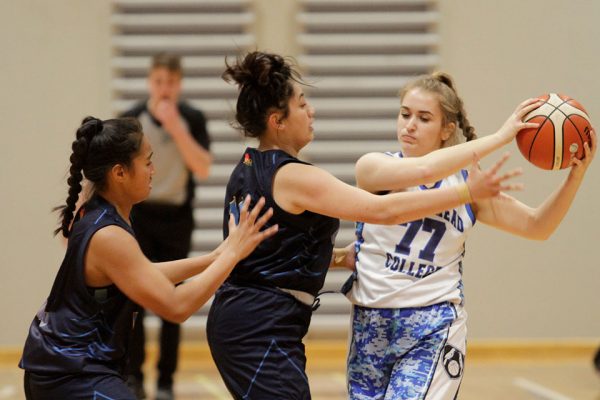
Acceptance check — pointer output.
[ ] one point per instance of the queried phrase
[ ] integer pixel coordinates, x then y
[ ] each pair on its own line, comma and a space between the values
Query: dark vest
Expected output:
298, 255
81, 329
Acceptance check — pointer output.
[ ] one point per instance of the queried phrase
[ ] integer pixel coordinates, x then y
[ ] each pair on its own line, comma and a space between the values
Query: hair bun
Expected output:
444, 78
90, 126
258, 70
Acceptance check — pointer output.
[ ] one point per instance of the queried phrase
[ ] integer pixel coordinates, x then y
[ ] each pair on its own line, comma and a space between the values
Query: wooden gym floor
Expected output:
494, 371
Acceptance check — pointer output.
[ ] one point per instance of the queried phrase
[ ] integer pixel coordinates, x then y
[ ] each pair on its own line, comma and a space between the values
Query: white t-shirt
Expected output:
415, 264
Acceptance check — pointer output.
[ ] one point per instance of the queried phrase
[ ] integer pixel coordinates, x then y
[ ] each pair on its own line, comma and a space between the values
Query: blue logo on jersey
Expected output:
453, 218
400, 264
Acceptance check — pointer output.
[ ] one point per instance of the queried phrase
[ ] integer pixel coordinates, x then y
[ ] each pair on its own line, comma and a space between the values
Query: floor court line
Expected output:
541, 392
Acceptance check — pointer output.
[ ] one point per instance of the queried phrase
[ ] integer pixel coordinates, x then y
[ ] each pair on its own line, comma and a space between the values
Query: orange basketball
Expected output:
564, 127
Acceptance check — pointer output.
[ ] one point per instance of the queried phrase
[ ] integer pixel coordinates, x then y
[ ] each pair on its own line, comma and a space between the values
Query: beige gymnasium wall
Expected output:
55, 70
501, 52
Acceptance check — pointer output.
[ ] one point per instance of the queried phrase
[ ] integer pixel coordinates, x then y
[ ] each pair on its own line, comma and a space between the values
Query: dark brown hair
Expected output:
99, 145
265, 83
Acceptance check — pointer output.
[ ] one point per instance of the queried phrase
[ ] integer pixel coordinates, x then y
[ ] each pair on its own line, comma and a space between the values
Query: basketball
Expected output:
564, 127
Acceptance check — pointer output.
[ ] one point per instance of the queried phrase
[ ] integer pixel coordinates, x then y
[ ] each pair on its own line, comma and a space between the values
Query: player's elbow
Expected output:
176, 315
539, 235
179, 318
363, 162
175, 311
380, 214
426, 173
537, 230
365, 169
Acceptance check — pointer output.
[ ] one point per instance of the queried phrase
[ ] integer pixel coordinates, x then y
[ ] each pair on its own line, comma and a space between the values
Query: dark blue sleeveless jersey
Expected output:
298, 255
81, 329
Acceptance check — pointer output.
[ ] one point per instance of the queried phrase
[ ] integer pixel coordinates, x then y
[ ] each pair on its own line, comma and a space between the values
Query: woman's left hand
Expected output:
578, 167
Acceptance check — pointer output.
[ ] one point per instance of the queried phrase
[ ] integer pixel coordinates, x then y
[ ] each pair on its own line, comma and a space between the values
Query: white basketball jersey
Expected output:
415, 264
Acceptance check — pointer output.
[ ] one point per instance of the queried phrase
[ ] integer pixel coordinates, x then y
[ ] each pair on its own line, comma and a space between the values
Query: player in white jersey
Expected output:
414, 264
408, 325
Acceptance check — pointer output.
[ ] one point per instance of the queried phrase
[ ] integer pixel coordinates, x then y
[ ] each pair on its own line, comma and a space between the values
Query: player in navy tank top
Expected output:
80, 330
77, 342
260, 315
300, 256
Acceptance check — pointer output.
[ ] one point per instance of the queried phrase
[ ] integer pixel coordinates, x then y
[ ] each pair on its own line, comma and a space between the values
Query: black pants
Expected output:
255, 338
164, 233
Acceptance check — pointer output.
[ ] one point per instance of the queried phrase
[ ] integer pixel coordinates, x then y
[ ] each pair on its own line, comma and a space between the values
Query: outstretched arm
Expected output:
179, 270
299, 187
510, 215
377, 172
115, 257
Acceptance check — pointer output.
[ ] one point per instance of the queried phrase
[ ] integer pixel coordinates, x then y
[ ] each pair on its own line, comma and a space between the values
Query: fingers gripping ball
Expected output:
564, 127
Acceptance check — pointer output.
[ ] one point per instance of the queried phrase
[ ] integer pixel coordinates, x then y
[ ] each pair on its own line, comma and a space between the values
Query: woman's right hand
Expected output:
515, 123
489, 183
246, 235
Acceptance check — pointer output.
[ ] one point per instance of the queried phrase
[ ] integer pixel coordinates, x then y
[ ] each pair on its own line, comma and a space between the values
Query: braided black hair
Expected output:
98, 146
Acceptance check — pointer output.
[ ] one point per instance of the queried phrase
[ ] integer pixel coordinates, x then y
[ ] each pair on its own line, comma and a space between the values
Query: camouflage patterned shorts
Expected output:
407, 353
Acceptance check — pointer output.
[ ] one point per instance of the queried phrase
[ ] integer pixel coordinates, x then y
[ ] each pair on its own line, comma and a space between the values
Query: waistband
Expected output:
303, 297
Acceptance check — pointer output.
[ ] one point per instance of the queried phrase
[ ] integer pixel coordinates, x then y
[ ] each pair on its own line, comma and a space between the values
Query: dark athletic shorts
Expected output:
255, 337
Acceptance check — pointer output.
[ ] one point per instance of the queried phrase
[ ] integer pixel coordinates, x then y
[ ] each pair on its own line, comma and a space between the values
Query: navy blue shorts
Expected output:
255, 338
76, 387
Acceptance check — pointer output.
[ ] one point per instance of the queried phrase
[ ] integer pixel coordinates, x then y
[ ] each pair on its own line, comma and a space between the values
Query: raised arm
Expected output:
197, 158
508, 214
115, 257
300, 187
376, 172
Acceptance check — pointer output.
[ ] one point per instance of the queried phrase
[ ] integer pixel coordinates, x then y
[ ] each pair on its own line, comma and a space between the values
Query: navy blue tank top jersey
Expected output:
81, 329
298, 255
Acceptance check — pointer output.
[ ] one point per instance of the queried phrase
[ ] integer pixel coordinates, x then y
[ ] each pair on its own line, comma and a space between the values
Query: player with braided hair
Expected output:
78, 341
408, 322
260, 315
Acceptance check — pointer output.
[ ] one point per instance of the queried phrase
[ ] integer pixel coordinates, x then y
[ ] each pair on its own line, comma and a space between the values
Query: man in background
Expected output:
163, 223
